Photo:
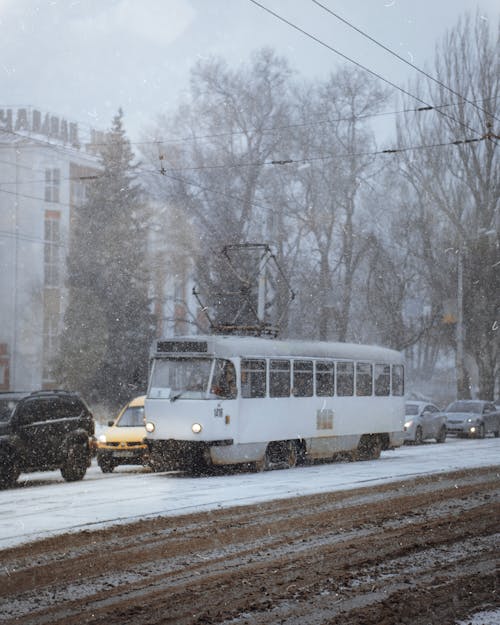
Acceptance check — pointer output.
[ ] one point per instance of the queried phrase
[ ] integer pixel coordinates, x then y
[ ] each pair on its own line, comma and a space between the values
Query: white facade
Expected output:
43, 172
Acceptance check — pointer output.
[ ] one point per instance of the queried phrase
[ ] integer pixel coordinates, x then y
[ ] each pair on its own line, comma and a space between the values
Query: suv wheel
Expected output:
441, 437
9, 469
106, 463
75, 462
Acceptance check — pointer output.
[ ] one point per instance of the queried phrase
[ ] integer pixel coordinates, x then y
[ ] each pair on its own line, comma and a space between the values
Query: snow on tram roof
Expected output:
248, 346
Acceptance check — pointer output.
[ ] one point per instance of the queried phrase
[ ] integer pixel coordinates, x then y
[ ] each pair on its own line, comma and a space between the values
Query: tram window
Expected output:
363, 379
325, 379
253, 378
382, 380
302, 378
279, 378
398, 385
224, 379
345, 379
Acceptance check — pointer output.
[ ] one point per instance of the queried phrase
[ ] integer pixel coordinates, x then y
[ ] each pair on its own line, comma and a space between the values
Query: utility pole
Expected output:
461, 386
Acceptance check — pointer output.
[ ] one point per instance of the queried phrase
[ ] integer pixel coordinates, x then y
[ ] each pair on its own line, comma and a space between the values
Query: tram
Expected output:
232, 400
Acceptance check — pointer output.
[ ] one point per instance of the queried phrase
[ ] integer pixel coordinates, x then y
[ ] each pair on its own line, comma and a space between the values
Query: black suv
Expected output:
44, 431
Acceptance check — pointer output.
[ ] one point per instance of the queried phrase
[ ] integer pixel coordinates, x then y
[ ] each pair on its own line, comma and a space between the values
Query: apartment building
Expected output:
45, 164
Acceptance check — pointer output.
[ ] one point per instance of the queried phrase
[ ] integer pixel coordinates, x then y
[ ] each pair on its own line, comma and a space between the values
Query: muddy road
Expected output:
421, 552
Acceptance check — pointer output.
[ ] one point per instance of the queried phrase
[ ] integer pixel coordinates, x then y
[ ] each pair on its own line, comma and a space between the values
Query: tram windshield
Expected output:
192, 378
180, 377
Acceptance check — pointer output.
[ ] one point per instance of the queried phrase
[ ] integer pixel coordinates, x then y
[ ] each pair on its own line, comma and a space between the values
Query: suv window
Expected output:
40, 410
71, 408
6, 408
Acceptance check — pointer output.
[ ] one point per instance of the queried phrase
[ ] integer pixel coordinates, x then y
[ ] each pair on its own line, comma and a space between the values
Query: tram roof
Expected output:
247, 346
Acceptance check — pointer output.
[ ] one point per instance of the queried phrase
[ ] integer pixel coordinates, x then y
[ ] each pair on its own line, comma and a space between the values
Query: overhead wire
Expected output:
357, 64
269, 130
29, 239
399, 57
272, 162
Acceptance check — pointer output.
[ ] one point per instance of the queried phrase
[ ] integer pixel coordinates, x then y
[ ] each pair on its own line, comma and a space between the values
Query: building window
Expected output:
52, 244
51, 318
52, 184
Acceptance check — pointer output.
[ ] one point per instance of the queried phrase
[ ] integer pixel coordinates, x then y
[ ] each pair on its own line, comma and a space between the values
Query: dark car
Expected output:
44, 431
473, 417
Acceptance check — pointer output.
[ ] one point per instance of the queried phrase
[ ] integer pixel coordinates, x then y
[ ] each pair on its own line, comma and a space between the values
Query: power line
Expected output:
395, 54
29, 239
274, 162
366, 69
312, 159
270, 130
38, 199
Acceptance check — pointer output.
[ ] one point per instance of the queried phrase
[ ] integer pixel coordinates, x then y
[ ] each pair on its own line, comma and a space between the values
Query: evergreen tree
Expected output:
108, 323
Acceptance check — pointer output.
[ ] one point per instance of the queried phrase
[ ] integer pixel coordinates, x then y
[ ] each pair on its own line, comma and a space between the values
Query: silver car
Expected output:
424, 420
473, 417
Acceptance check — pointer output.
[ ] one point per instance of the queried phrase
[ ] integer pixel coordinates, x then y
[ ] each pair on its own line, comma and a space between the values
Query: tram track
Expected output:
328, 558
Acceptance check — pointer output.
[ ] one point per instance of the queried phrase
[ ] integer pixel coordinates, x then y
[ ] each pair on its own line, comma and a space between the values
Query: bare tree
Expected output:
228, 138
460, 182
323, 196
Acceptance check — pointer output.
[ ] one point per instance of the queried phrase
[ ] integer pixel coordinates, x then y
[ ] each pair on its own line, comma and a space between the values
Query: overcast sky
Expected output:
83, 59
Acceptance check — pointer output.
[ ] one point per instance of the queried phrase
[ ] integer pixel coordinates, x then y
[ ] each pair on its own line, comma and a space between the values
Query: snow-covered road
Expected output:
42, 504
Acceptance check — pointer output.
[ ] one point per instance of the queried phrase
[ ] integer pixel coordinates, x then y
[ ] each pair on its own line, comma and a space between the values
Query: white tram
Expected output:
227, 400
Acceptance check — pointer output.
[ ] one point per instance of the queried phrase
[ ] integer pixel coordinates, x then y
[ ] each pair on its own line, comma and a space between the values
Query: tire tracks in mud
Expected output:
423, 551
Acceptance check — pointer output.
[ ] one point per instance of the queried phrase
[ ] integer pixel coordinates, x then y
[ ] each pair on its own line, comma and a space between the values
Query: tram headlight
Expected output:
196, 427
150, 426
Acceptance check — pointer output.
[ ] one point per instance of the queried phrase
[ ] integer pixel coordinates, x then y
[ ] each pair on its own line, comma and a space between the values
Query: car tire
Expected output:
419, 436
106, 464
75, 462
9, 469
441, 437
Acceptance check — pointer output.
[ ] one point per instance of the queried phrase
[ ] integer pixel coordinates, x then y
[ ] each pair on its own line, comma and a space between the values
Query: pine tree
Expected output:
108, 323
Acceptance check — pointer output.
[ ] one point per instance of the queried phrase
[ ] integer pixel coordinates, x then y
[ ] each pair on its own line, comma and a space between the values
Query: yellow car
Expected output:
123, 441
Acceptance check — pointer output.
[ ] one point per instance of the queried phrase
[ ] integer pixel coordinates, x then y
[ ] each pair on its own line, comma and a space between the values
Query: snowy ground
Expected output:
370, 548
42, 504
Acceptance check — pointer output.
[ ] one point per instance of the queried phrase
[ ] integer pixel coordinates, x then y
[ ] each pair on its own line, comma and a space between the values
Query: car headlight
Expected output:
196, 427
102, 438
150, 426
469, 420
409, 423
